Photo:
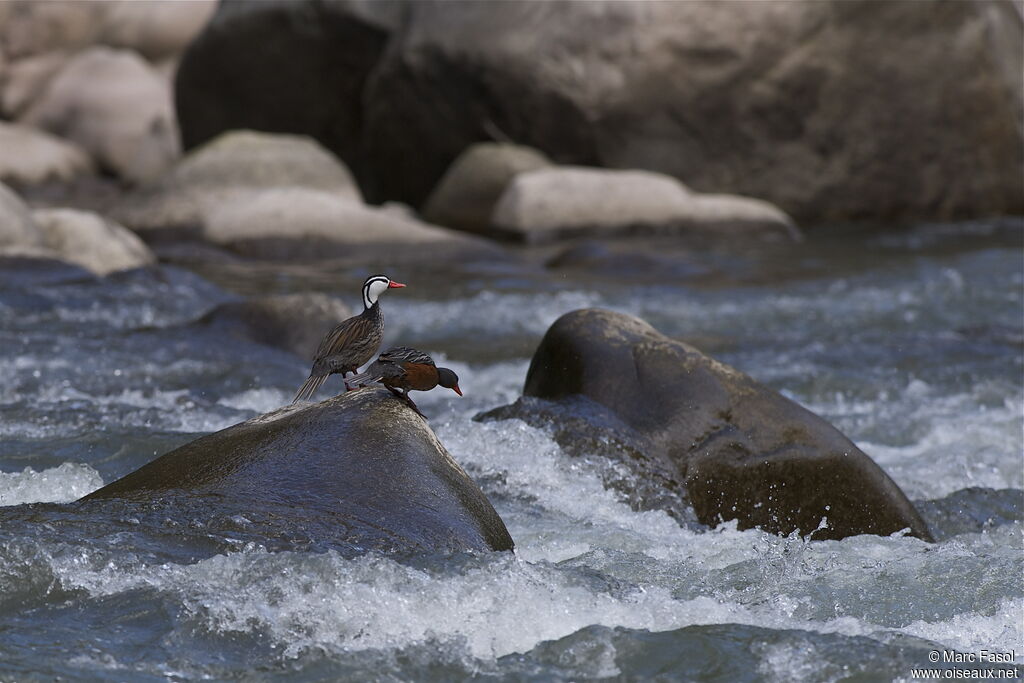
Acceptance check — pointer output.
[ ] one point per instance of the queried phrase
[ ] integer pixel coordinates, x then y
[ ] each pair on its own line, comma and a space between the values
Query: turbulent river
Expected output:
910, 342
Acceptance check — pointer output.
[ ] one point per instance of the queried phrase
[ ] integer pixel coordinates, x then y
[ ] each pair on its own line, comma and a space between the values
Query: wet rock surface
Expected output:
972, 510
360, 472
738, 450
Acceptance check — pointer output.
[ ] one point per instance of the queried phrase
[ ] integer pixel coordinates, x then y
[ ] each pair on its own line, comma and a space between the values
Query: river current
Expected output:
909, 341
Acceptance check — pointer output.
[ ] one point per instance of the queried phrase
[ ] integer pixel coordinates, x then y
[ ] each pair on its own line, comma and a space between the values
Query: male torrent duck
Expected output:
352, 342
402, 369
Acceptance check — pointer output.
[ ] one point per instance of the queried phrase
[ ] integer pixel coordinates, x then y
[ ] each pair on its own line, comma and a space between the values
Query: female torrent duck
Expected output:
352, 342
402, 369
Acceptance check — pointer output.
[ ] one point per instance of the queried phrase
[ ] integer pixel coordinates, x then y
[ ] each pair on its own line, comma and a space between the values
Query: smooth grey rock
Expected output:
294, 322
360, 470
705, 432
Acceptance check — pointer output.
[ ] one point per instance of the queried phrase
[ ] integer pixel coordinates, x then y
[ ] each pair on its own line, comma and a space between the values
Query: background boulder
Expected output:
559, 202
17, 228
113, 104
464, 198
294, 322
829, 110
91, 241
736, 449
236, 165
31, 156
361, 471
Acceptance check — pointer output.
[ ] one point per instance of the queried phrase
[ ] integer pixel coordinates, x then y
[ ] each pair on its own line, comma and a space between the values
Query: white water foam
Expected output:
62, 484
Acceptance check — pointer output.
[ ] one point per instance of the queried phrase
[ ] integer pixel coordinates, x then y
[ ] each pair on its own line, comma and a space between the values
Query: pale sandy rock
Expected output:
34, 28
89, 240
16, 226
114, 105
155, 28
235, 163
296, 222
23, 80
253, 159
29, 156
729, 213
561, 202
465, 196
568, 198
296, 212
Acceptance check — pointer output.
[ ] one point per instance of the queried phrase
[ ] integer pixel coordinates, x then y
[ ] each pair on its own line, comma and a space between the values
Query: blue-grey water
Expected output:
909, 341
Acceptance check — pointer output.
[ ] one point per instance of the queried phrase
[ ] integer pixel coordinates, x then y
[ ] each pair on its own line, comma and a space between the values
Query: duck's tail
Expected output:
361, 379
309, 387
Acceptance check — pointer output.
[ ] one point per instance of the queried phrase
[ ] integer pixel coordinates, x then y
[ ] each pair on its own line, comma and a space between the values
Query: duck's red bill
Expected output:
395, 285
457, 390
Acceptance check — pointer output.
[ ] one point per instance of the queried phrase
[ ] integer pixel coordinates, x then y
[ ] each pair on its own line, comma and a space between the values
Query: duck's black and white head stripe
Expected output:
374, 286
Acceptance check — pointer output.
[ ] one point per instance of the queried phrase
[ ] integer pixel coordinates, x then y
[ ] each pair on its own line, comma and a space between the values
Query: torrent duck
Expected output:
402, 369
352, 342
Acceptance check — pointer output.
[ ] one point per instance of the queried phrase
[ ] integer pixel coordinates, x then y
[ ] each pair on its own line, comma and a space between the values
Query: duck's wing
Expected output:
344, 334
405, 354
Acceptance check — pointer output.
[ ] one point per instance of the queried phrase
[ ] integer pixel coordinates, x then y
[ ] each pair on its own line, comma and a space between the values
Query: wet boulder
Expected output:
362, 470
732, 448
294, 322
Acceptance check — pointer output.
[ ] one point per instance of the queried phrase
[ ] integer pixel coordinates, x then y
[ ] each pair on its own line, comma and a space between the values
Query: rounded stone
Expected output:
359, 472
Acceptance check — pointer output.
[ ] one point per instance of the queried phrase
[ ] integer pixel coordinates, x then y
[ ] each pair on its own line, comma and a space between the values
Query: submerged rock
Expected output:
294, 322
734, 448
362, 470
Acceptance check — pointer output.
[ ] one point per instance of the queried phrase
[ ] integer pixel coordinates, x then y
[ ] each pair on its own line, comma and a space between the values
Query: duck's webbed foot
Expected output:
408, 402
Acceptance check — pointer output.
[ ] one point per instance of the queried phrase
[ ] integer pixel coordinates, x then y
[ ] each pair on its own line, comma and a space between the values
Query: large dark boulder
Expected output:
283, 67
362, 470
829, 110
733, 448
